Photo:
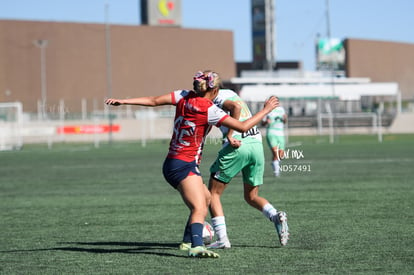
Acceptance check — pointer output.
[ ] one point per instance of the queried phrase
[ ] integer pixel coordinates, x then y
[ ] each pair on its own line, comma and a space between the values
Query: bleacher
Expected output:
357, 120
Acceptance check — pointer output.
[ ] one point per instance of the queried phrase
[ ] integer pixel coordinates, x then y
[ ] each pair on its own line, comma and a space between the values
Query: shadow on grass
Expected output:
111, 247
272, 246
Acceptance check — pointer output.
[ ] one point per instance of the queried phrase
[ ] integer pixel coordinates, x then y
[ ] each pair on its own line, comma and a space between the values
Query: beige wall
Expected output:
145, 61
382, 62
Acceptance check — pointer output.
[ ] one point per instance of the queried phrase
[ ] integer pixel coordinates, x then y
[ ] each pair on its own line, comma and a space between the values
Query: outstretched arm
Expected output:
150, 101
235, 110
244, 126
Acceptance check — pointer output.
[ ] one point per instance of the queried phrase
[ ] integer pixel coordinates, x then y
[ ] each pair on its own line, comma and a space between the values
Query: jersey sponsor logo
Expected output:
252, 132
191, 107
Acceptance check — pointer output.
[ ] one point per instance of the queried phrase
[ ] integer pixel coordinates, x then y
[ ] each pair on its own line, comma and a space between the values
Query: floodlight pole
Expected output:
328, 33
270, 39
328, 20
108, 68
331, 71
42, 44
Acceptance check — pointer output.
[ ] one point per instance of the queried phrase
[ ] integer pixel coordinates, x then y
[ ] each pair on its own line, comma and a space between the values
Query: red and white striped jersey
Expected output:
194, 117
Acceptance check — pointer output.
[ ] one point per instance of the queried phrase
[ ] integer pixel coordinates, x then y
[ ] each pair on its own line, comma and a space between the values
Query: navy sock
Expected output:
187, 232
196, 234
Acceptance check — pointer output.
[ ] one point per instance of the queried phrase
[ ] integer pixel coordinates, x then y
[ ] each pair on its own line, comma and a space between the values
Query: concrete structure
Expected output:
382, 61
69, 62
403, 123
144, 61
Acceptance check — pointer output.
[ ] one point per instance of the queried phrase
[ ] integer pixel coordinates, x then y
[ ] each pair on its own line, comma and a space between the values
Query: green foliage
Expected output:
76, 209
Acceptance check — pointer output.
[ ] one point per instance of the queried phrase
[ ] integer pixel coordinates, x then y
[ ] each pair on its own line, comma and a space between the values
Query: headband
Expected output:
209, 78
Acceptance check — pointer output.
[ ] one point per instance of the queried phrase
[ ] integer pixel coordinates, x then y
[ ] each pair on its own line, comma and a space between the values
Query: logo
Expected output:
252, 132
165, 7
293, 154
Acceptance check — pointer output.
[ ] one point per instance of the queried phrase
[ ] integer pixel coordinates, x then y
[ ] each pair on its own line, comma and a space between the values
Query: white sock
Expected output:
269, 211
219, 225
275, 166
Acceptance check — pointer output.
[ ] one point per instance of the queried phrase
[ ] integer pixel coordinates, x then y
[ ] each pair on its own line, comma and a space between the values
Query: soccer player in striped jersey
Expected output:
275, 136
194, 116
241, 152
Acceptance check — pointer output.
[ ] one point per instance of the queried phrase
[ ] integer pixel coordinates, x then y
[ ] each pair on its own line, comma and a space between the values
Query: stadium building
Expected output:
63, 71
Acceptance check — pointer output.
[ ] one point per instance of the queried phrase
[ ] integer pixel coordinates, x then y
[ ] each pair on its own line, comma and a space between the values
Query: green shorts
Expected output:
274, 141
248, 158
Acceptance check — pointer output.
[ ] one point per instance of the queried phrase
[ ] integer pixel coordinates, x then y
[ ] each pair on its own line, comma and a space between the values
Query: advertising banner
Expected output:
330, 54
161, 12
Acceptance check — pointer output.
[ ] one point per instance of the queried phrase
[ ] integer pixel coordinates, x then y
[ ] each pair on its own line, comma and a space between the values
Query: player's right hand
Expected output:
271, 103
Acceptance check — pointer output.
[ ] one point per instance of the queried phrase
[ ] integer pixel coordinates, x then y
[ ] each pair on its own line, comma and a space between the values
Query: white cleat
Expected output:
219, 245
282, 227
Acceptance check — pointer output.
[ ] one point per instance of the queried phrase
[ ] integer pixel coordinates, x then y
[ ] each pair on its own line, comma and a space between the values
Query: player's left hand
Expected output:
113, 102
235, 143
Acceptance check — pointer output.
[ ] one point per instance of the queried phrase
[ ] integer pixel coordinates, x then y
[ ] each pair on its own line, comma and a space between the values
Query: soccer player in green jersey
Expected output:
275, 136
241, 152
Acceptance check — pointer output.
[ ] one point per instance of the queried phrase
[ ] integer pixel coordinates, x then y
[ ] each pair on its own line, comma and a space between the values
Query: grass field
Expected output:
76, 209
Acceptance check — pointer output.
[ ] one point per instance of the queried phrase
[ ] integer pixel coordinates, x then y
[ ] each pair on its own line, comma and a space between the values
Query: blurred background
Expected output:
339, 67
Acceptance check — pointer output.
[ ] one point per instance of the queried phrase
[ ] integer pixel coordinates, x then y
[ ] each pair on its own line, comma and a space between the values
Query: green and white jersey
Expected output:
275, 118
253, 135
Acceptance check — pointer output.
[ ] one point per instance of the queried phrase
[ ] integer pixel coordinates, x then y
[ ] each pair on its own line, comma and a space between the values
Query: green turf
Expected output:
76, 209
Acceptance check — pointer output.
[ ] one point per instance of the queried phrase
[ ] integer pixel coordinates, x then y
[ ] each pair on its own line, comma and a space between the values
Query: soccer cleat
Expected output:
282, 228
219, 245
184, 246
202, 252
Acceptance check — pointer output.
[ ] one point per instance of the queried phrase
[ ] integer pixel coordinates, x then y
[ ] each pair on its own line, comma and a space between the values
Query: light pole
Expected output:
42, 44
332, 61
270, 34
108, 67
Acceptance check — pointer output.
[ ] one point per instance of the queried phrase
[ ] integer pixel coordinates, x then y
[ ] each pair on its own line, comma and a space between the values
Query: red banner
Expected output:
88, 129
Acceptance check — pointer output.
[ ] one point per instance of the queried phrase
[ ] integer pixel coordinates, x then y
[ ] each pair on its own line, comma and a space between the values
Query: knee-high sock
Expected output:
187, 232
196, 234
220, 228
269, 211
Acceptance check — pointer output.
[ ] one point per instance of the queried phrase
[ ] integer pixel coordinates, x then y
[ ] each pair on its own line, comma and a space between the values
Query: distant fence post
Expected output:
379, 113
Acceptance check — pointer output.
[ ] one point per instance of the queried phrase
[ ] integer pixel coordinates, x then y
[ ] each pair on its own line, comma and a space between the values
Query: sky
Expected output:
298, 22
